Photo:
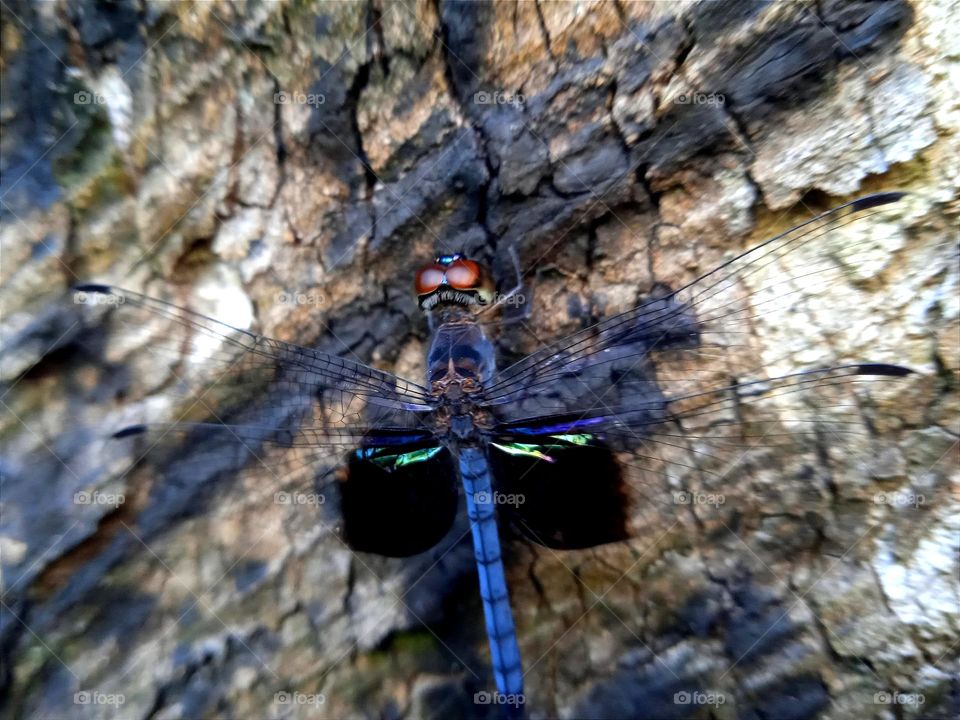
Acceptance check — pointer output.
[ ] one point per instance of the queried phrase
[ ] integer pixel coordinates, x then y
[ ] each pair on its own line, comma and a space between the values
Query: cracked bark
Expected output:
423, 166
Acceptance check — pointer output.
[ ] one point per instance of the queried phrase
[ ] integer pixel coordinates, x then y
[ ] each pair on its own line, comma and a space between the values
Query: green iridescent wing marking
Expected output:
537, 450
389, 459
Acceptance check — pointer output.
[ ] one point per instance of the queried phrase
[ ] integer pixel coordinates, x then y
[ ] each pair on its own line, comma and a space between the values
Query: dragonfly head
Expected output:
453, 280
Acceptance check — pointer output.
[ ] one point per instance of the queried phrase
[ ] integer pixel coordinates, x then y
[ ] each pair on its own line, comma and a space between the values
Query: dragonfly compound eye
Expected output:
453, 280
467, 275
464, 274
428, 279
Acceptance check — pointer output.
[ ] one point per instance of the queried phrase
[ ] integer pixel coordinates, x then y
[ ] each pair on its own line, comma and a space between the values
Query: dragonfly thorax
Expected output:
465, 423
461, 360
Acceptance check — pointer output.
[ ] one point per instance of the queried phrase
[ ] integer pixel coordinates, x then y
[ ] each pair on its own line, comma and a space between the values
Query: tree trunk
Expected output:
287, 166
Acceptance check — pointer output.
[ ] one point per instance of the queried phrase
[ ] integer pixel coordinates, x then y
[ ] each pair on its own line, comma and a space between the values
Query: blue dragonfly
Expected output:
589, 434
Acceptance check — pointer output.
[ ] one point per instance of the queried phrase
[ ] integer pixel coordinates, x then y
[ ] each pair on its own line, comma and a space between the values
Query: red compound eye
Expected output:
463, 274
428, 279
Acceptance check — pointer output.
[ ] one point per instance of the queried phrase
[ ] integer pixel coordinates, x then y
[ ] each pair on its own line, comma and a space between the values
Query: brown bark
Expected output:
223, 155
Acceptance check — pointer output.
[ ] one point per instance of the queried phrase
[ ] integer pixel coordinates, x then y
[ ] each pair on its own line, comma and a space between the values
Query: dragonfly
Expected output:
570, 447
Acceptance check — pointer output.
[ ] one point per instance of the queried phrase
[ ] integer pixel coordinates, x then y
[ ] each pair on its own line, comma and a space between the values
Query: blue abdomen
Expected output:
504, 650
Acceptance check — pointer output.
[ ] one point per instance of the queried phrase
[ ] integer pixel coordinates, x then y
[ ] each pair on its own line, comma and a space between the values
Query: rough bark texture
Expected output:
224, 155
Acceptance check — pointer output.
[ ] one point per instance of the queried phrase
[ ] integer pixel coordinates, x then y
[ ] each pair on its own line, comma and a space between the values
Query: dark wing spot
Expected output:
577, 501
397, 512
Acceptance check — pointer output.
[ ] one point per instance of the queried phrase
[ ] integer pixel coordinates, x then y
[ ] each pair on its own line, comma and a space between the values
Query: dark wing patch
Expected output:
575, 499
397, 509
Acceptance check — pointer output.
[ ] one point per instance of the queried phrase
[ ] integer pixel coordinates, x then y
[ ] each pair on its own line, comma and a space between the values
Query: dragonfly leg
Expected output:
514, 296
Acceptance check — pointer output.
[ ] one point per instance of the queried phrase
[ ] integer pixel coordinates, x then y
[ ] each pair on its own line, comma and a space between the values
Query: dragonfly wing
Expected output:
398, 501
601, 474
183, 344
271, 420
710, 318
559, 493
685, 397
187, 466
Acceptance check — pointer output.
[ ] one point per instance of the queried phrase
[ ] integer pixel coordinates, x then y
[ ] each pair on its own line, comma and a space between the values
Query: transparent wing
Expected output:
678, 401
588, 478
178, 343
215, 409
713, 408
391, 490
709, 318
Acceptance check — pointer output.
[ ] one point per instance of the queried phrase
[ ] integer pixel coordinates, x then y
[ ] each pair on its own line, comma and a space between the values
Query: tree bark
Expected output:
232, 156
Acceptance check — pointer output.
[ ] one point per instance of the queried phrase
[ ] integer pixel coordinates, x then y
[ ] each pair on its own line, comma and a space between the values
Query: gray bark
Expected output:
226, 155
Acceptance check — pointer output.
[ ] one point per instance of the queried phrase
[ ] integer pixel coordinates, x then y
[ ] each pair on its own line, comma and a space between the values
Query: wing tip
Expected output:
130, 431
877, 199
886, 369
93, 288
